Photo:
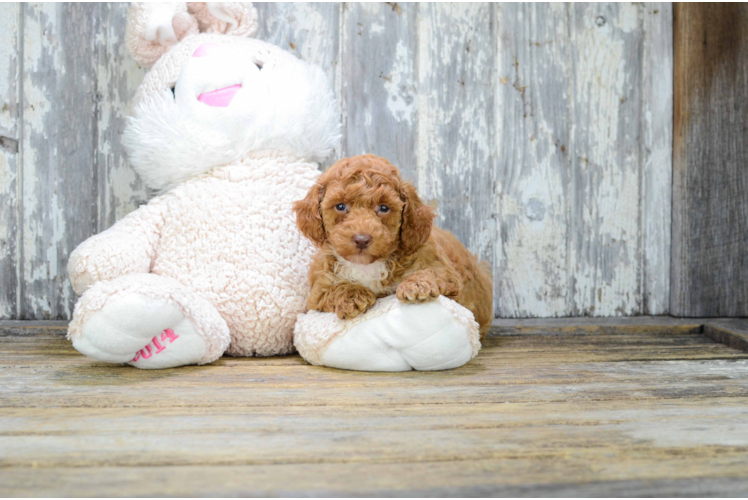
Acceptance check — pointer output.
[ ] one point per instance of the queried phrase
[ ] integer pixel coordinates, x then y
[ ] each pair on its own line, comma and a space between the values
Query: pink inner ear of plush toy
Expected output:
219, 98
204, 49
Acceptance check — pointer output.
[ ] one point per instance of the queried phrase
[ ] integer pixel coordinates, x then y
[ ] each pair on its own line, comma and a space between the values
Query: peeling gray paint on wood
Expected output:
541, 131
656, 156
76, 180
605, 241
533, 126
120, 190
59, 179
379, 88
572, 168
10, 128
456, 148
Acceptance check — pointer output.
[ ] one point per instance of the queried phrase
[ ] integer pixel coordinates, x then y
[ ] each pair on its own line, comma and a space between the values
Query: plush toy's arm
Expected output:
126, 247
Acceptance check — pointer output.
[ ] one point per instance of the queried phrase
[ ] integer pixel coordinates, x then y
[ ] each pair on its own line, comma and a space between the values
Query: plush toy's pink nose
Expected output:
219, 98
204, 49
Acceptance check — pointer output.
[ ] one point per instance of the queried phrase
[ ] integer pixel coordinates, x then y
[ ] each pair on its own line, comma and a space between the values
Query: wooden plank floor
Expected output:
568, 410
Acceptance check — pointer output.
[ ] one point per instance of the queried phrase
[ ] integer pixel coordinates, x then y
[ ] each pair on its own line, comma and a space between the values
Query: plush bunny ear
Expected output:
229, 18
152, 28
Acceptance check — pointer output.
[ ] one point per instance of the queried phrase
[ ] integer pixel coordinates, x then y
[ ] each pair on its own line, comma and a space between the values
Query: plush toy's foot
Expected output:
391, 336
147, 321
142, 332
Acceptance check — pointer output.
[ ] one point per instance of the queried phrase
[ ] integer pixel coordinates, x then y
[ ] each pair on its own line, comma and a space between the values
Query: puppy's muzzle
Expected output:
362, 241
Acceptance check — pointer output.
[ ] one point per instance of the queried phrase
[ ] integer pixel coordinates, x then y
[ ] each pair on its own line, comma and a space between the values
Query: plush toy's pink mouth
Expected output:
219, 98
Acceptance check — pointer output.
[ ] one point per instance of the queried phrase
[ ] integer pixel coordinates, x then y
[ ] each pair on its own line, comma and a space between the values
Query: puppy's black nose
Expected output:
362, 240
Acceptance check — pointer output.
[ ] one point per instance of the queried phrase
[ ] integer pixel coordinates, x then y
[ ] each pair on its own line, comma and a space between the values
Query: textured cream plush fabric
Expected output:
391, 336
227, 236
115, 335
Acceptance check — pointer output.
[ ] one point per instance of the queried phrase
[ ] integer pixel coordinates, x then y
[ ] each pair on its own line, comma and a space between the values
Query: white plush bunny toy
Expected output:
229, 129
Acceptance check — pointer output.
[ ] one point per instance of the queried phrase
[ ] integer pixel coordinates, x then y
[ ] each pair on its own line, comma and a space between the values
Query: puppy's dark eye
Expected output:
383, 209
259, 64
340, 207
173, 91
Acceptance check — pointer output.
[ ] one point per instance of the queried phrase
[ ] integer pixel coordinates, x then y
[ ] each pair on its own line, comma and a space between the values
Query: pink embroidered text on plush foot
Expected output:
167, 334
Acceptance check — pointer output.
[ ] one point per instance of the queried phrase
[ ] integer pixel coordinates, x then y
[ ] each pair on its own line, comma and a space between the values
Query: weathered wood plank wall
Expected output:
10, 131
70, 81
583, 174
542, 132
710, 196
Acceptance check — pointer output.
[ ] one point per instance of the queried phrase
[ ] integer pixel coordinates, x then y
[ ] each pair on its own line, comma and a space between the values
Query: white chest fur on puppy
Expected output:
367, 275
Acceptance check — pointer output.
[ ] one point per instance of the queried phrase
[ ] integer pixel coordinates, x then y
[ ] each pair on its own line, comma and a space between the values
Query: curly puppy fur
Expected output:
375, 237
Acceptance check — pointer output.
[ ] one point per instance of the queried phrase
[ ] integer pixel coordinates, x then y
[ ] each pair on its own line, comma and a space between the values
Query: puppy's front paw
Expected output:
418, 287
449, 287
354, 301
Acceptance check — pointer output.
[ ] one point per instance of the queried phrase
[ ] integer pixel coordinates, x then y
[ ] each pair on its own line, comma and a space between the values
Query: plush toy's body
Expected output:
228, 238
229, 130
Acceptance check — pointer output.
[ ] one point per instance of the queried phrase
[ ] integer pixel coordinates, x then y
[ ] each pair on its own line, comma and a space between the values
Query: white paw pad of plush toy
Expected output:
391, 336
148, 321
229, 130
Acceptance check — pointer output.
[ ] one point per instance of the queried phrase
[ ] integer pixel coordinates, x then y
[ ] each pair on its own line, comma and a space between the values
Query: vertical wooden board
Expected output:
117, 76
533, 128
378, 88
657, 156
310, 31
710, 179
9, 156
456, 121
59, 179
583, 176
605, 249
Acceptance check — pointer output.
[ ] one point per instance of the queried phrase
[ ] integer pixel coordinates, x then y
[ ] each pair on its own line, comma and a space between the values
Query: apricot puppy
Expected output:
376, 238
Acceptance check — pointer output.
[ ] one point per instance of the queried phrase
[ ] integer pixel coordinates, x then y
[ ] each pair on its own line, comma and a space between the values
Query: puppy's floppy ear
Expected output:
417, 220
309, 214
